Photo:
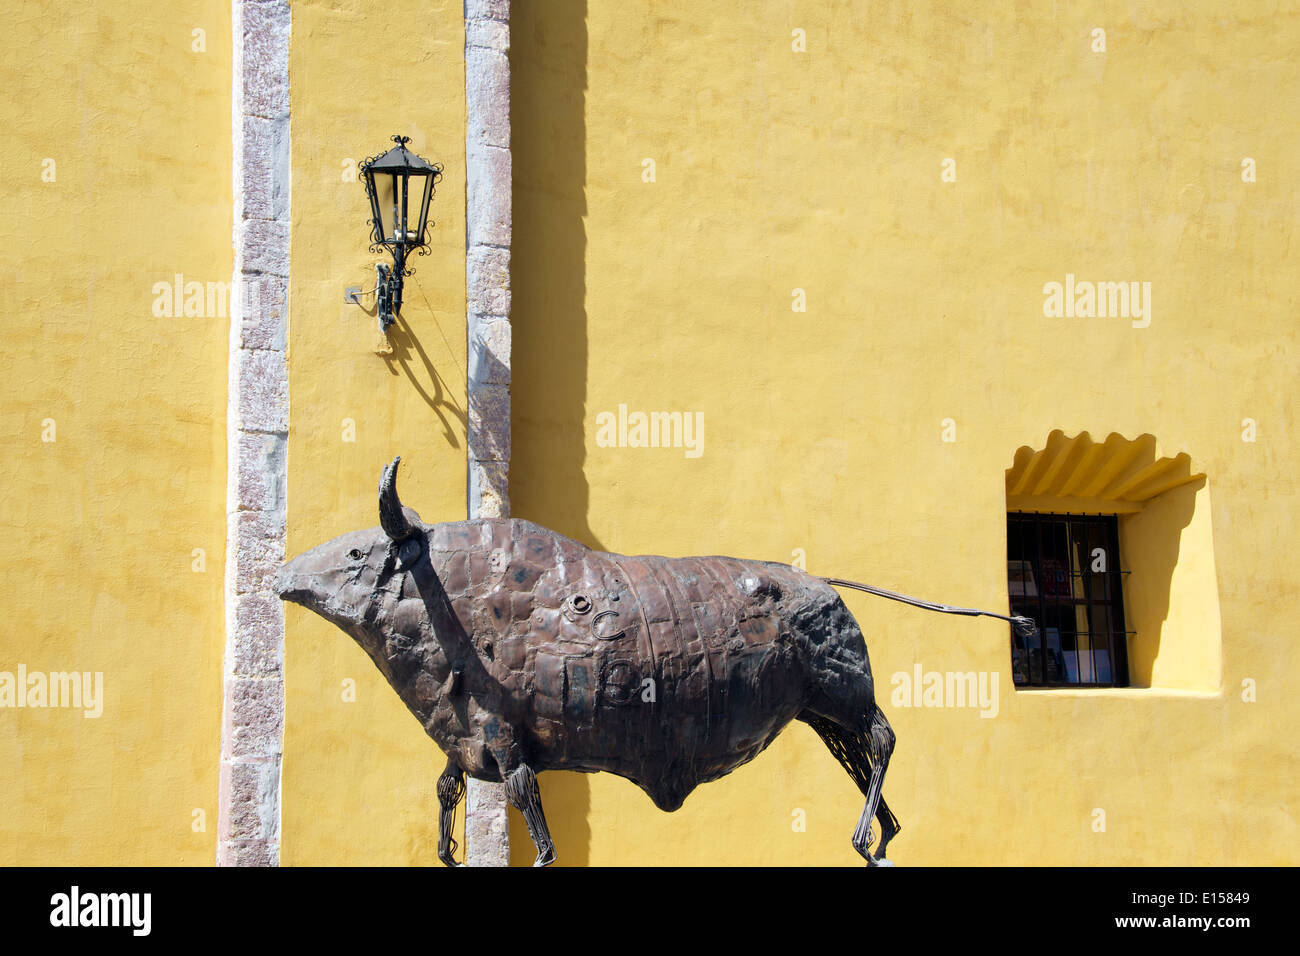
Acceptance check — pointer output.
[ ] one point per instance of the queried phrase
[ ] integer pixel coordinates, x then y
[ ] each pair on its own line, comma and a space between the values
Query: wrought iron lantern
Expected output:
398, 183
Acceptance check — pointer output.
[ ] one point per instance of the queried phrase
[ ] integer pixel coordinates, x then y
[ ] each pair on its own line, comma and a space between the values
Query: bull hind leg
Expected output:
451, 790
865, 755
889, 827
522, 792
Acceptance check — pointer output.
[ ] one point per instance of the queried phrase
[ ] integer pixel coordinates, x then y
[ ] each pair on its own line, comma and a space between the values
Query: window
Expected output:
1063, 572
1150, 514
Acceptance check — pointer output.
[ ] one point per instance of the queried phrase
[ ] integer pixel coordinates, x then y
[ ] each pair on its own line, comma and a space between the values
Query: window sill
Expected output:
1127, 693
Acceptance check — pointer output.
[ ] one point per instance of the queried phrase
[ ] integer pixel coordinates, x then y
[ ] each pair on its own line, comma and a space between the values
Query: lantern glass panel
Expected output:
421, 187
376, 218
388, 196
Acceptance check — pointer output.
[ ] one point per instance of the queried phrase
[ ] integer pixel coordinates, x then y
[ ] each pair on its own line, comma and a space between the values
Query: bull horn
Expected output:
391, 517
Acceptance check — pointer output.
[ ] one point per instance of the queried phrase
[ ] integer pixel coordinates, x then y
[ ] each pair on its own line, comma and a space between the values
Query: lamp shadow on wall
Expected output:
548, 64
407, 350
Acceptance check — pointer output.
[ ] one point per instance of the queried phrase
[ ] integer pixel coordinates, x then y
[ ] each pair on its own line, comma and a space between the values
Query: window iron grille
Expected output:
1063, 571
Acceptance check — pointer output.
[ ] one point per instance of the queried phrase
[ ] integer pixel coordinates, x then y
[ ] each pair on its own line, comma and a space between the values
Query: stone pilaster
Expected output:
257, 425
487, 317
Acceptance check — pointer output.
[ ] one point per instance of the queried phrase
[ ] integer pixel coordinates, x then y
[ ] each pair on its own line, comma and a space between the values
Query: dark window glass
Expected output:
1063, 571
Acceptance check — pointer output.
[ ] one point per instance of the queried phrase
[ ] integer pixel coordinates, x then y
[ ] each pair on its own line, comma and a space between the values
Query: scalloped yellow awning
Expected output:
1080, 474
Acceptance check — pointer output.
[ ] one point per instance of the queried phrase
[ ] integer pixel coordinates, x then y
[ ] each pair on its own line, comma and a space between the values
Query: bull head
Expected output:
355, 580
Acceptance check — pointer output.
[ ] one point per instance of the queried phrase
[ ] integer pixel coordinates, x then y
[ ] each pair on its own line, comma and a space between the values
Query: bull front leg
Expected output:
524, 796
451, 790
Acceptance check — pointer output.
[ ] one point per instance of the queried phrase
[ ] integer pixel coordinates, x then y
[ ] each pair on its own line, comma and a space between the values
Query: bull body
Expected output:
520, 650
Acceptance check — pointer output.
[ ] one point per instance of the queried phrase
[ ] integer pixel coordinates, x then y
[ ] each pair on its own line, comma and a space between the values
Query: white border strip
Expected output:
257, 427
487, 320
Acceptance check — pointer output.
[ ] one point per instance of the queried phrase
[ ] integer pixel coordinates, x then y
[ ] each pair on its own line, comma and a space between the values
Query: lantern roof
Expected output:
399, 159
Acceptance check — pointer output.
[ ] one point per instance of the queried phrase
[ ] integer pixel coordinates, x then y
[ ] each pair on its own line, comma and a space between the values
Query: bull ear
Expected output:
391, 516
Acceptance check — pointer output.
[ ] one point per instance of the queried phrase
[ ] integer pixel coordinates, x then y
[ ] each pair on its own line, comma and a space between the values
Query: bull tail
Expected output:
1024, 626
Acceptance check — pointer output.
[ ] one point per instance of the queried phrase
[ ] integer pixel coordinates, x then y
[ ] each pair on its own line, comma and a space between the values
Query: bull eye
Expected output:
355, 554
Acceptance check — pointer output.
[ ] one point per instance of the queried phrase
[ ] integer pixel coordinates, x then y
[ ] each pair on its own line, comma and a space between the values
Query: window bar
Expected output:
1042, 610
1108, 589
1119, 658
1089, 595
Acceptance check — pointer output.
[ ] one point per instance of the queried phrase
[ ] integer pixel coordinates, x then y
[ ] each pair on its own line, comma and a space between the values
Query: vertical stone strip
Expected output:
257, 425
487, 319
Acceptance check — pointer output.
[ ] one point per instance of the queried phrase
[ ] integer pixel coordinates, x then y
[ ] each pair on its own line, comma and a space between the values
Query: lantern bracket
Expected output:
388, 294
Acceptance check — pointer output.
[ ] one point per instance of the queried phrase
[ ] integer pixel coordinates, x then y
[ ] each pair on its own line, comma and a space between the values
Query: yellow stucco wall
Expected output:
102, 522
821, 171
774, 170
358, 777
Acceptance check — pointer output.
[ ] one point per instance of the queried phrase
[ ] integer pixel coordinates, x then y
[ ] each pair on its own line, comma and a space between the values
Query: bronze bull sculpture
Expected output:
520, 650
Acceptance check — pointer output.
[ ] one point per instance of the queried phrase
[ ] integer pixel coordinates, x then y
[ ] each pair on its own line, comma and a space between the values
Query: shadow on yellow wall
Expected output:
441, 400
548, 62
1172, 600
